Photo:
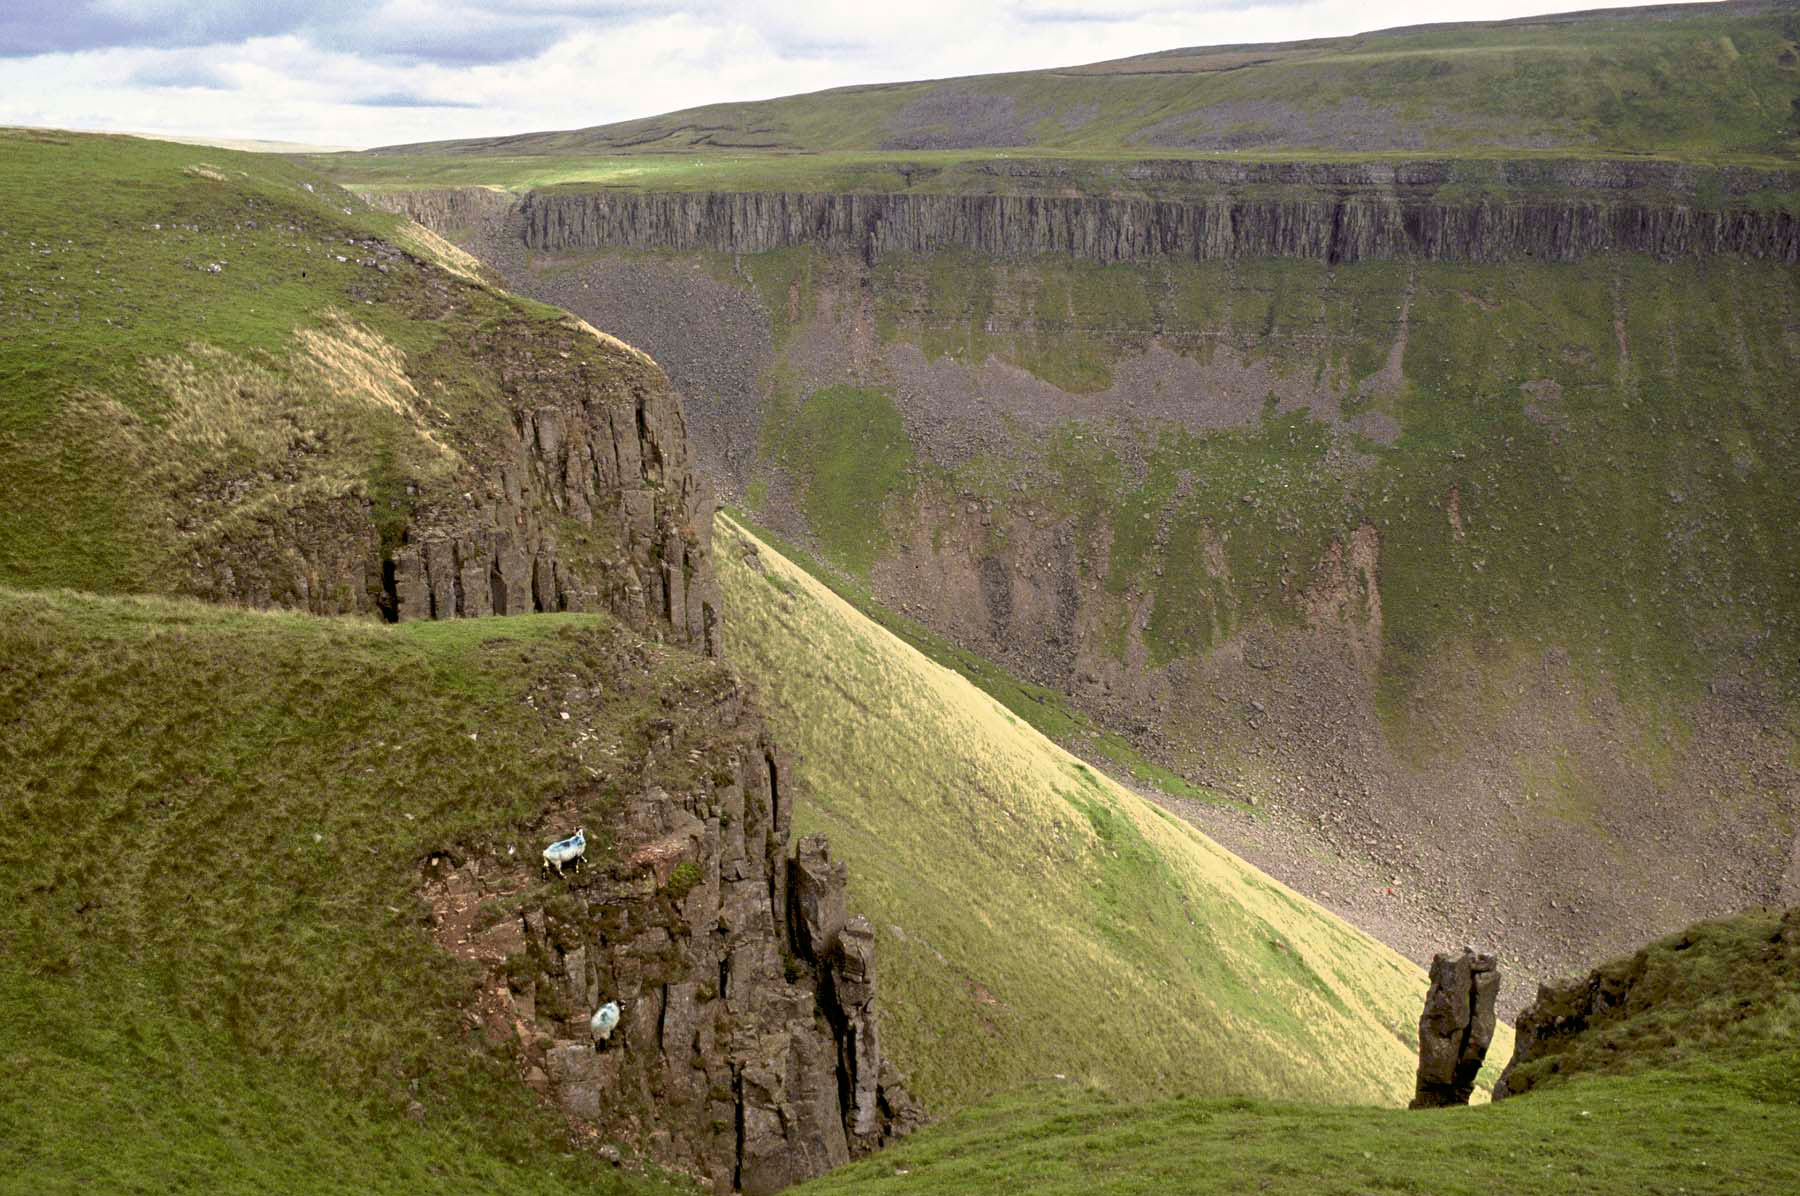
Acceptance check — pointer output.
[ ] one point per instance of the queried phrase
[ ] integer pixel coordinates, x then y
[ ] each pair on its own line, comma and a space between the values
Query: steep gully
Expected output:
1418, 210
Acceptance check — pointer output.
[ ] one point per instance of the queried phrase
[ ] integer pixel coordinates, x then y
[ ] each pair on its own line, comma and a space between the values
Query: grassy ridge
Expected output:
1724, 993
1691, 1085
1705, 83
1034, 918
1703, 1131
212, 830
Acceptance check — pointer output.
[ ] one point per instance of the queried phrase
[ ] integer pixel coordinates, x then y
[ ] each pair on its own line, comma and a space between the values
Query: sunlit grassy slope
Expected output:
215, 974
1035, 919
1692, 1086
1706, 82
1050, 712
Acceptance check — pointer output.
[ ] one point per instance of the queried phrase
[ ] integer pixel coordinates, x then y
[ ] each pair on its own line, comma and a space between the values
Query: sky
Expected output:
381, 72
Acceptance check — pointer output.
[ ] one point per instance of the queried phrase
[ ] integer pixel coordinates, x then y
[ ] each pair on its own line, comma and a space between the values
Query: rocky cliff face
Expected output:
747, 1051
1198, 209
1347, 228
576, 495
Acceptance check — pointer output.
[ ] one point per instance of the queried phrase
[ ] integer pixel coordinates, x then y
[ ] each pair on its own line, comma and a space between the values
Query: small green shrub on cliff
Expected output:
682, 879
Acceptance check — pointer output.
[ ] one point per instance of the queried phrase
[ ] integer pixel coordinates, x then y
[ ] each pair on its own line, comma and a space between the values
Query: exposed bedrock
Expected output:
1456, 1028
580, 497
1341, 228
1329, 211
746, 1051
1289, 528
595, 510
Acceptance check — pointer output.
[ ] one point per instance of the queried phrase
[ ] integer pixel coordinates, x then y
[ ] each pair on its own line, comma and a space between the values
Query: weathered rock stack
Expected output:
746, 1052
1456, 1028
843, 949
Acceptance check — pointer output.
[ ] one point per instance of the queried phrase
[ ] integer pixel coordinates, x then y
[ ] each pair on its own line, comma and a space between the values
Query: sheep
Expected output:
604, 1020
566, 851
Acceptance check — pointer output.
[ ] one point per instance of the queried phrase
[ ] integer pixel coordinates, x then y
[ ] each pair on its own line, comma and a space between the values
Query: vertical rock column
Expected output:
1456, 1027
871, 1095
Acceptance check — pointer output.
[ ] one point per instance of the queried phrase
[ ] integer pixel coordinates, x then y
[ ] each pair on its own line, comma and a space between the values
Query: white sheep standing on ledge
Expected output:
604, 1020
566, 851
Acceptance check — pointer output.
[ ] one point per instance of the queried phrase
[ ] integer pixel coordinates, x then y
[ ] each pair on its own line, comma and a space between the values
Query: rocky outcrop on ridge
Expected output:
593, 507
579, 496
1456, 1028
1706, 986
746, 1053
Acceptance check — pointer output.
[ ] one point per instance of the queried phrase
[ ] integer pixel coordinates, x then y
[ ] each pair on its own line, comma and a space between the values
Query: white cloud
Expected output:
546, 64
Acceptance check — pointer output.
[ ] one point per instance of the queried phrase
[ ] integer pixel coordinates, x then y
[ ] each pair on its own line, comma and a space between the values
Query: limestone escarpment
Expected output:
1101, 230
746, 1052
1425, 210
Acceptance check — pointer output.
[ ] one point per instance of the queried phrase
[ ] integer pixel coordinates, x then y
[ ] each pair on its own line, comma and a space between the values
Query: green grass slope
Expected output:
1034, 918
1051, 713
1704, 82
215, 971
1724, 993
203, 349
1693, 1087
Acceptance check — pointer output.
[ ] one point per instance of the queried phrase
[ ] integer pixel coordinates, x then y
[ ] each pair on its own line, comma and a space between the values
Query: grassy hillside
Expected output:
1700, 82
1034, 918
1692, 1089
215, 973
1722, 994
1048, 712
205, 349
